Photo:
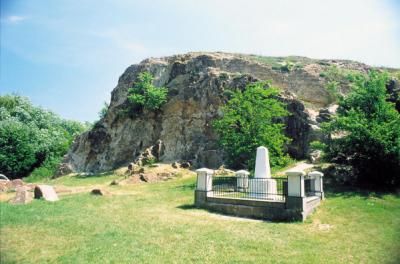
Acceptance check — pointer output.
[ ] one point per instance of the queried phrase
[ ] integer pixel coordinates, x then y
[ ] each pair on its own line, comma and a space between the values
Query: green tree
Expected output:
253, 118
31, 136
366, 133
145, 94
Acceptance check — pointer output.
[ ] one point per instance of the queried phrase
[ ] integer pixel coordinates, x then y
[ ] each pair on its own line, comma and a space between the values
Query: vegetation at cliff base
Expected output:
145, 94
32, 138
253, 118
366, 133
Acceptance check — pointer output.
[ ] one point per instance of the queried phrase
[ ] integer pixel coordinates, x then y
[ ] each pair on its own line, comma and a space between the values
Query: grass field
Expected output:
156, 223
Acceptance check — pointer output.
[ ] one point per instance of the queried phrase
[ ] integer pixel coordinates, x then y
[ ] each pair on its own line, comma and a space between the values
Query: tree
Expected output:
145, 94
366, 133
252, 118
31, 136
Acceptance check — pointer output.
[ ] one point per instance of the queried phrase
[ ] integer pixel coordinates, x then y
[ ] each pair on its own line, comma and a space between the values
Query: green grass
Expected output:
156, 223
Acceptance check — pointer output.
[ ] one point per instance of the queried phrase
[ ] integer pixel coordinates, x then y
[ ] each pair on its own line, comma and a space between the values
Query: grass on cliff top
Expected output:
156, 223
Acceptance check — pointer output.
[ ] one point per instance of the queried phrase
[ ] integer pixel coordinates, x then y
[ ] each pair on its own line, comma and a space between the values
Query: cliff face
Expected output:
197, 85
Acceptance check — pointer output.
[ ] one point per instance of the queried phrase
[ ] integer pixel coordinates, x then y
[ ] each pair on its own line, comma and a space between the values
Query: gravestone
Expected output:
46, 192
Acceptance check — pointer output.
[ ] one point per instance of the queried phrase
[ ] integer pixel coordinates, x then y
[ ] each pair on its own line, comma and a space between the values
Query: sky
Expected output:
67, 55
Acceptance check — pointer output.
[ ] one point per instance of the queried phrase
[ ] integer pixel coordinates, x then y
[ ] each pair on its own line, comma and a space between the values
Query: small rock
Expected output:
143, 177
63, 169
100, 192
186, 165
114, 182
12, 185
46, 192
3, 185
22, 196
175, 165
141, 170
315, 156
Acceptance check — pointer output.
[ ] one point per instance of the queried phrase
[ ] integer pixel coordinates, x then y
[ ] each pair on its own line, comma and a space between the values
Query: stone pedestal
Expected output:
263, 188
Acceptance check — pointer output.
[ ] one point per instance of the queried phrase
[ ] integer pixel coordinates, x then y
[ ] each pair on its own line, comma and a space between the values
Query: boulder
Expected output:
100, 192
22, 196
175, 165
143, 177
63, 169
186, 165
46, 192
315, 156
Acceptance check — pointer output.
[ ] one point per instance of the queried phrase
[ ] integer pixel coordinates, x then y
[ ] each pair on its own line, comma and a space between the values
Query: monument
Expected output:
262, 186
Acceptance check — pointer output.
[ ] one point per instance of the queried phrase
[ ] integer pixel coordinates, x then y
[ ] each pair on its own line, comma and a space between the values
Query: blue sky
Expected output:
67, 55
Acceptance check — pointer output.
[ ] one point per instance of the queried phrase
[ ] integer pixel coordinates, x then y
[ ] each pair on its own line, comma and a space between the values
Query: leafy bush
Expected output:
30, 135
366, 133
145, 94
252, 118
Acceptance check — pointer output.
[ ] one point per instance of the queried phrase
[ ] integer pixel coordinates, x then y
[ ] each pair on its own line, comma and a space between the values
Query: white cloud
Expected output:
14, 19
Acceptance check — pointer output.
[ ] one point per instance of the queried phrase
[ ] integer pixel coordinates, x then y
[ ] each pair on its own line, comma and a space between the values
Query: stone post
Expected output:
242, 180
296, 198
318, 183
203, 186
296, 183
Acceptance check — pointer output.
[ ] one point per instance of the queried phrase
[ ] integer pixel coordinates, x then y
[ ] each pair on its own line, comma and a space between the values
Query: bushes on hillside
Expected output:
145, 94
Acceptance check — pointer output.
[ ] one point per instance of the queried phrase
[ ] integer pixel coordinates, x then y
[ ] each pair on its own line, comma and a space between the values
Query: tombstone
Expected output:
46, 192
242, 180
262, 186
22, 195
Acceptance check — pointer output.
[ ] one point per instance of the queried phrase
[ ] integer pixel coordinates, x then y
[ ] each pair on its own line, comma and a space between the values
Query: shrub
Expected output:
252, 118
366, 133
145, 94
30, 135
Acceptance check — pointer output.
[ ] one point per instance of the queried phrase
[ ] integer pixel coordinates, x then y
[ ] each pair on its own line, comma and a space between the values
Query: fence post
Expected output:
318, 183
296, 193
242, 180
203, 186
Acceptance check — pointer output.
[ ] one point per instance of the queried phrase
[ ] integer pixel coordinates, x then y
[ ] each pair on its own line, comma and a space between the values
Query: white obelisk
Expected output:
262, 163
262, 186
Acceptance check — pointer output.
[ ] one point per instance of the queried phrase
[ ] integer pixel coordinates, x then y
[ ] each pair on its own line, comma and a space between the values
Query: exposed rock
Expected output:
46, 192
14, 184
114, 182
144, 177
64, 169
175, 165
23, 195
315, 156
185, 165
199, 84
100, 192
3, 185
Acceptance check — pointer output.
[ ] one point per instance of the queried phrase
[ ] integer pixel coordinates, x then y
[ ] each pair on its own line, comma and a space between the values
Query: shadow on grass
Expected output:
187, 207
332, 191
185, 187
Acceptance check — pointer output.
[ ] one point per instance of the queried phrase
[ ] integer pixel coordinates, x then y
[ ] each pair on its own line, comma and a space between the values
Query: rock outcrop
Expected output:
198, 85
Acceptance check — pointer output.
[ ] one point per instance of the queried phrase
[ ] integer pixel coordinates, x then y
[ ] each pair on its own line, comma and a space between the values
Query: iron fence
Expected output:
250, 188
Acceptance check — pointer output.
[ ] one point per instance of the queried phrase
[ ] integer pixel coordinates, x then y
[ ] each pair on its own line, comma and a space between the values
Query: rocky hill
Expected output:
198, 84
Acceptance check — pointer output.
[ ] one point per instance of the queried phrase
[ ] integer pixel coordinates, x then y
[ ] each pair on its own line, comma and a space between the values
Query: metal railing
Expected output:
274, 189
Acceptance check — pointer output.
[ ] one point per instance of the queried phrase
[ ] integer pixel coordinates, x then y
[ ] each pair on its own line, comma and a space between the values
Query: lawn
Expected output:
156, 223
